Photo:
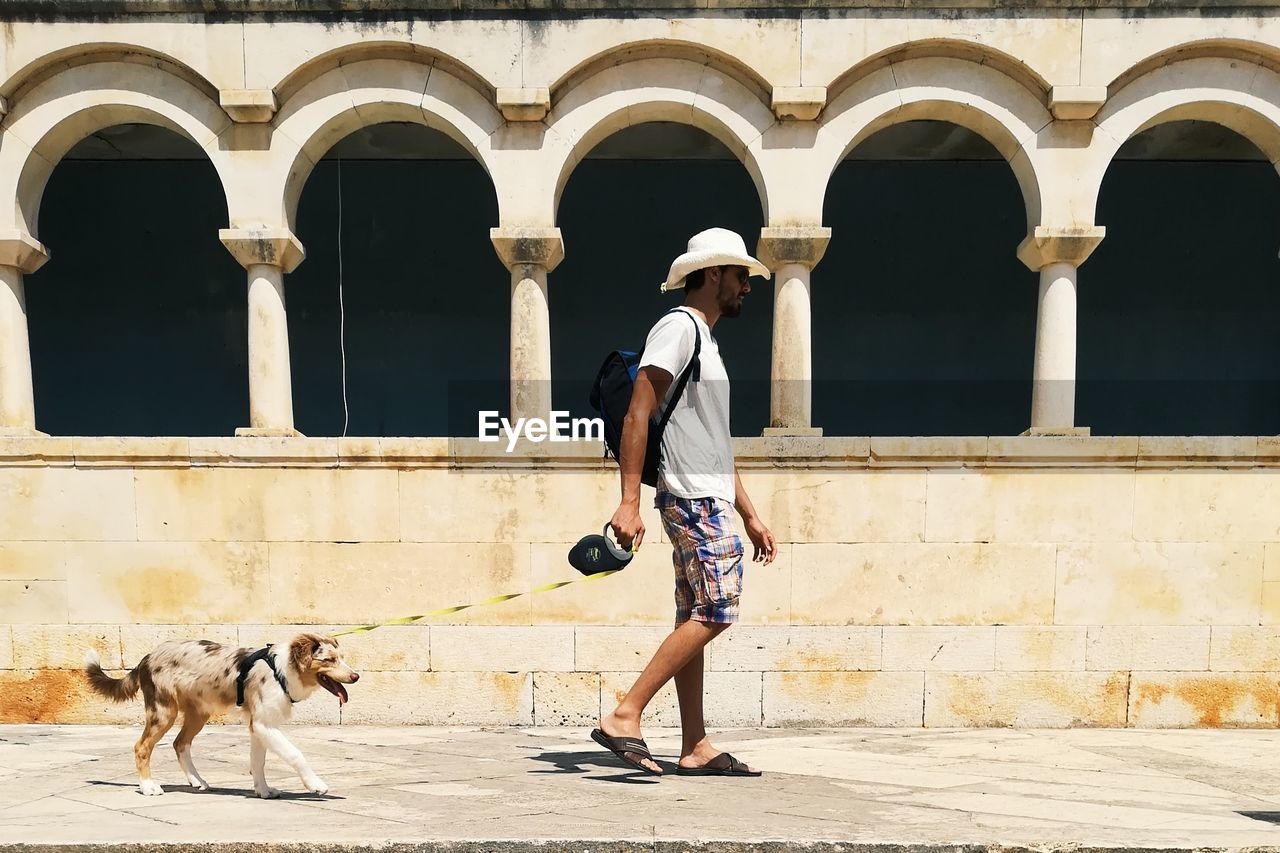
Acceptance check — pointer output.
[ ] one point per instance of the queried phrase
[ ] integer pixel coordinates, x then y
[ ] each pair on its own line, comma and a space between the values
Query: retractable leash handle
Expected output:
597, 553
618, 551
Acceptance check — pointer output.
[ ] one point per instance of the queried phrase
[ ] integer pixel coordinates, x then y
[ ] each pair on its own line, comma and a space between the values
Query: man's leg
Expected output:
693, 726
677, 650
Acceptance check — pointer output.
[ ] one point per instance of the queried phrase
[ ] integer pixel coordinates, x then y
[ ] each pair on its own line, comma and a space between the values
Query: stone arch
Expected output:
1235, 50
15, 87
650, 90
64, 108
364, 93
977, 97
1242, 97
415, 54
943, 48
695, 52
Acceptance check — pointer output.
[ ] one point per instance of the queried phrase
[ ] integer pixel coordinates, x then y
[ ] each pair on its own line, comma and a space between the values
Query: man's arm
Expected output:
651, 386
766, 547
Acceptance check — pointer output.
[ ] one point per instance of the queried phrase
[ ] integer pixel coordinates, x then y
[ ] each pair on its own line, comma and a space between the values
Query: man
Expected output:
698, 490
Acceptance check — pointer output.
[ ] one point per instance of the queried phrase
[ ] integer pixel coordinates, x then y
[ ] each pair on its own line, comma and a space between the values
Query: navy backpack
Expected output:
611, 397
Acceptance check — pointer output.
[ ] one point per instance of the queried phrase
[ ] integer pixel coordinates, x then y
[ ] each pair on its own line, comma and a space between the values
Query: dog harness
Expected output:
248, 663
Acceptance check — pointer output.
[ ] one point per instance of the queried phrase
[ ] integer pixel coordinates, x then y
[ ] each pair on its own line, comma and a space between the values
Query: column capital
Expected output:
20, 250
275, 247
1070, 244
520, 245
802, 244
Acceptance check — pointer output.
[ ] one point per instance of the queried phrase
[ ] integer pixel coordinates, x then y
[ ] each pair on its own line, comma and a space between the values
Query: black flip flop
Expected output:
620, 746
723, 764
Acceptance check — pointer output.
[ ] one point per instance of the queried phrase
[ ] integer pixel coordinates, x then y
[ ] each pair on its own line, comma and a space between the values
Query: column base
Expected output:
1071, 430
804, 432
22, 432
268, 432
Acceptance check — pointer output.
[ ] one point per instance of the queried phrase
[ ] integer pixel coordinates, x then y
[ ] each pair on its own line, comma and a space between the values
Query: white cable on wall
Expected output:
342, 312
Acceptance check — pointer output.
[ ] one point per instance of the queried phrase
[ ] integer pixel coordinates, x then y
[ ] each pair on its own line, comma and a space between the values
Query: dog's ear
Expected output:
302, 650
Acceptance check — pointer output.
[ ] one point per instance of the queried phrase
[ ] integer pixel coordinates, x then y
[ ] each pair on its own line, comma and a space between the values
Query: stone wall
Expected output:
1052, 581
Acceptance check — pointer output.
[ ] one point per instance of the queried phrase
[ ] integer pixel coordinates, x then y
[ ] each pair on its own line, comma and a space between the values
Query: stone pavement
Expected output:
520, 788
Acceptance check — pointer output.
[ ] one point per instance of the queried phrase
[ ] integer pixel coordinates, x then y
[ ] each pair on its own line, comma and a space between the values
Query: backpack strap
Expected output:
693, 368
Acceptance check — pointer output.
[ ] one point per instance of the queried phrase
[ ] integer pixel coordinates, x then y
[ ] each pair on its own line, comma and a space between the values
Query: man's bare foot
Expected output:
701, 754
615, 726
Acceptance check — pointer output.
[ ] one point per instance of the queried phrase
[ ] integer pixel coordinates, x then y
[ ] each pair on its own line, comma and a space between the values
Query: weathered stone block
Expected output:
487, 505
1244, 648
443, 699
395, 648
1270, 603
1177, 699
1037, 648
375, 581
1207, 506
63, 646
61, 696
168, 583
796, 649
620, 649
932, 648
1025, 699
6, 647
33, 602
843, 698
46, 561
495, 648
1146, 583
566, 699
58, 504
1029, 505
922, 584
267, 504
1120, 647
841, 505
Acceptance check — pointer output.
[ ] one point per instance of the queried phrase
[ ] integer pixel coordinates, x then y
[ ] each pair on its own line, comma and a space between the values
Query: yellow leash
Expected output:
497, 599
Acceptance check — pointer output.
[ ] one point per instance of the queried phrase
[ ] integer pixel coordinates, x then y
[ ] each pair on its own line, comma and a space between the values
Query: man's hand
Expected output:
627, 525
766, 548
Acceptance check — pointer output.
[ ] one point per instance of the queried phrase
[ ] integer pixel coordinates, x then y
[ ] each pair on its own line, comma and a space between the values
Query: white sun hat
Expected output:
714, 247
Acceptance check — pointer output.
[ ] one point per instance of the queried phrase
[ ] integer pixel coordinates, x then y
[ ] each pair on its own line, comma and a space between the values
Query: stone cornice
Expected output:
55, 9
850, 453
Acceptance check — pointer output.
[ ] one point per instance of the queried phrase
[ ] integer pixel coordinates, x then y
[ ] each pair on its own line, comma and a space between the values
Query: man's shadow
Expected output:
573, 762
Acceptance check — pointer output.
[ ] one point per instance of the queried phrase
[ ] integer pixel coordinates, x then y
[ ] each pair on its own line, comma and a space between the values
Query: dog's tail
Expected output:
115, 689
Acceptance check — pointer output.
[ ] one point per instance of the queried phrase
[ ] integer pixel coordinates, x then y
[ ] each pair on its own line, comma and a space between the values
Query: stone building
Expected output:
1009, 402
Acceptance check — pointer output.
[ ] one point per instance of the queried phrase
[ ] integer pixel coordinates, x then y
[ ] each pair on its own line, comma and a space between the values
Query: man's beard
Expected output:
731, 309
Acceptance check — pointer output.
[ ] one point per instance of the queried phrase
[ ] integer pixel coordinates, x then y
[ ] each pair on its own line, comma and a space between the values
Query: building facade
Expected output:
1049, 578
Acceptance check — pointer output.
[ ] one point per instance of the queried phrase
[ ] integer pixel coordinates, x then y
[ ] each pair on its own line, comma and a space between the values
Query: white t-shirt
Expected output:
697, 453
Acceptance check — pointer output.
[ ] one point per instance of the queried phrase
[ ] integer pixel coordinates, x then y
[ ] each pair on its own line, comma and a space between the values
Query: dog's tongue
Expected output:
335, 688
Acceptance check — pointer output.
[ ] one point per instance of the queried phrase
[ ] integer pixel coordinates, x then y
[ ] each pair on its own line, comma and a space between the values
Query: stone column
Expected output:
267, 254
1056, 253
530, 253
20, 254
792, 253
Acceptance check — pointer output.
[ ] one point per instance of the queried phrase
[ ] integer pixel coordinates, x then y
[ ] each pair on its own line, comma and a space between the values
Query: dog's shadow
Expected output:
245, 793
571, 762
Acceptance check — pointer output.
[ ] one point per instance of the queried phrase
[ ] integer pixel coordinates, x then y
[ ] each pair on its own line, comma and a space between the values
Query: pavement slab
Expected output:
484, 790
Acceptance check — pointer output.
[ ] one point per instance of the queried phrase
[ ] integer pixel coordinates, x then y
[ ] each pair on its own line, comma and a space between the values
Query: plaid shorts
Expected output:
707, 556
